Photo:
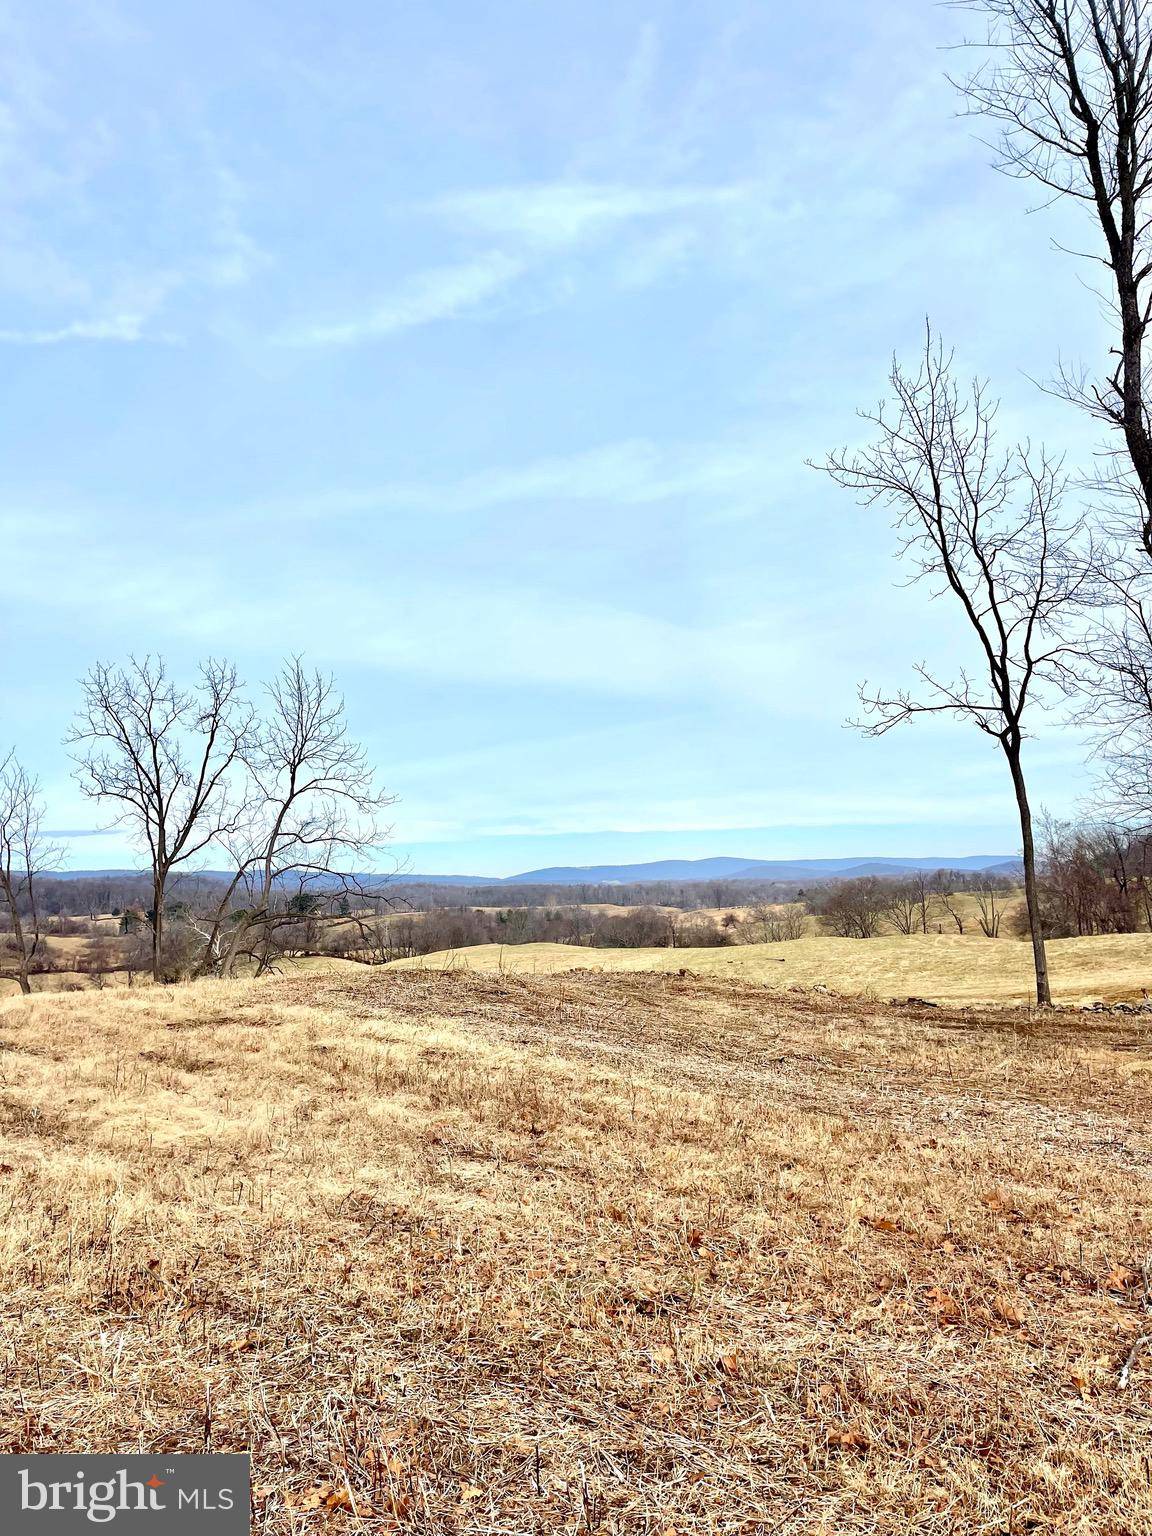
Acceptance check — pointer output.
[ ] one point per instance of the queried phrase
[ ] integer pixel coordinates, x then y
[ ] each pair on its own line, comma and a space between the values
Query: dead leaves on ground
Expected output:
1002, 1203
336, 1498
847, 1440
881, 1224
943, 1304
1120, 1279
1007, 1310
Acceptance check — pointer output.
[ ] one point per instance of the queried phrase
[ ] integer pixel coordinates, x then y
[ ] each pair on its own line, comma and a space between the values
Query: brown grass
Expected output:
941, 967
615, 1253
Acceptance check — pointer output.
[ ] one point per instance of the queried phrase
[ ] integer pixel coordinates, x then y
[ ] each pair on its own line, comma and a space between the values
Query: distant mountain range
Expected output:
757, 869
725, 868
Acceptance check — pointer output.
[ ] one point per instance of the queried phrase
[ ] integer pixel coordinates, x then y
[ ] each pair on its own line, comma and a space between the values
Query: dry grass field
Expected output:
616, 1253
940, 967
859, 974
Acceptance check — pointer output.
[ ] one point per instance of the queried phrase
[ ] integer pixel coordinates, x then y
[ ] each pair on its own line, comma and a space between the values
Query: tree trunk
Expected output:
23, 979
228, 958
157, 929
18, 931
1031, 894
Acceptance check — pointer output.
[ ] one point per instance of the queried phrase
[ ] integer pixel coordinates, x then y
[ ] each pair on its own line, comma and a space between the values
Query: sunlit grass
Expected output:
617, 1253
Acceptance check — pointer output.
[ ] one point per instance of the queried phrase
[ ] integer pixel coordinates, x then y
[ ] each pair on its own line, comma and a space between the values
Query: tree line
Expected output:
111, 892
272, 784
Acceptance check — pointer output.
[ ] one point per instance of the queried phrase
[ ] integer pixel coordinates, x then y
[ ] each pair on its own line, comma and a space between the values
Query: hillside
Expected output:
727, 868
940, 967
720, 868
619, 1254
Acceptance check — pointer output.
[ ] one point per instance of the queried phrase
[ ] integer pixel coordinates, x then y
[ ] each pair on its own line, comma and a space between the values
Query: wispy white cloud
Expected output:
127, 327
438, 294
728, 813
531, 230
536, 637
721, 476
560, 214
69, 272
124, 318
234, 256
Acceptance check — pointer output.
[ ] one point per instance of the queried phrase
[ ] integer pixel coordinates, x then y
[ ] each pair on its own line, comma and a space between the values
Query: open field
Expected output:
617, 1253
966, 969
72, 973
939, 967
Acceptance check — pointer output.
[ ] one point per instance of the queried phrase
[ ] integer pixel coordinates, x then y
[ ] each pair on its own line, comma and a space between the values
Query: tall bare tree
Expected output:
901, 906
1069, 82
852, 909
25, 855
313, 820
164, 756
1069, 85
943, 888
982, 524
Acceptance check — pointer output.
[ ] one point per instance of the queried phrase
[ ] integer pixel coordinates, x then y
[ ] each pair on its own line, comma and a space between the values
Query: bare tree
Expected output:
944, 892
924, 892
1070, 84
853, 909
991, 909
982, 524
25, 855
902, 906
313, 817
1114, 676
1094, 878
164, 755
778, 923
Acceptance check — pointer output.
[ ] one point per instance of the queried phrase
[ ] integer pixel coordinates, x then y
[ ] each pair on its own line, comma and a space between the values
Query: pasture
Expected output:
616, 1252
967, 969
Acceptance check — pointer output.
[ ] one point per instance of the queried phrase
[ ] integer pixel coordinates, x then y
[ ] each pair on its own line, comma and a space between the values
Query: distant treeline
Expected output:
88, 896
685, 895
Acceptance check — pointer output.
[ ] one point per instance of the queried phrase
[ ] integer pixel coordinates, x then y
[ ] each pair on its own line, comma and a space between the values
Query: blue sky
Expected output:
476, 352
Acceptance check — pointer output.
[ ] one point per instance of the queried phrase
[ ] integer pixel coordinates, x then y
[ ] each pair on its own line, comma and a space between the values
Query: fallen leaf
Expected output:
342, 1498
309, 1498
1006, 1308
1119, 1278
943, 1304
996, 1200
848, 1439
729, 1364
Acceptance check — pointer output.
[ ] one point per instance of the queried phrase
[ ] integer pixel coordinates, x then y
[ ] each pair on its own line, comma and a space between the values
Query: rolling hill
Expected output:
754, 869
720, 868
